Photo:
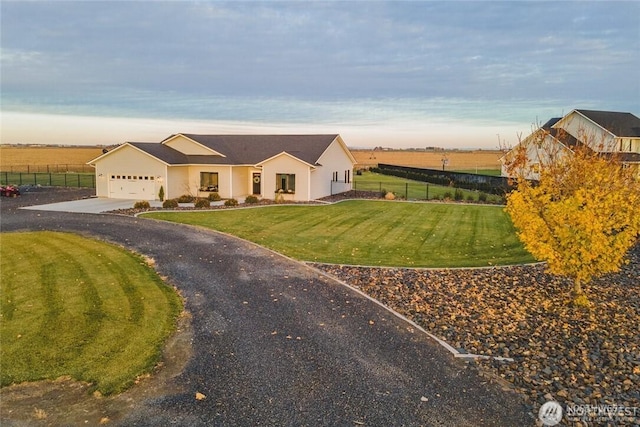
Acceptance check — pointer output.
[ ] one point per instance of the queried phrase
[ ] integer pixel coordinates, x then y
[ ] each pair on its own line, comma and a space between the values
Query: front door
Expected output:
256, 183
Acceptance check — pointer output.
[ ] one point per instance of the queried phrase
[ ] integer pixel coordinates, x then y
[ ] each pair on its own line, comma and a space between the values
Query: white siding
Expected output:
334, 159
187, 146
586, 131
288, 165
128, 161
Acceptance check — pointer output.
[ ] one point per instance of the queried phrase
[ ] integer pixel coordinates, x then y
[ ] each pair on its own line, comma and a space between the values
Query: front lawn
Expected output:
374, 233
78, 307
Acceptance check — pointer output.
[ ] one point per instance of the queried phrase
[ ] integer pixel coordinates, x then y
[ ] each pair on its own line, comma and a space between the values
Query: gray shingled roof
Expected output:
620, 124
242, 149
252, 149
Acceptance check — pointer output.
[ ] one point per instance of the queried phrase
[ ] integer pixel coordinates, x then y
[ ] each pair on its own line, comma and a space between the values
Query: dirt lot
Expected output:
457, 160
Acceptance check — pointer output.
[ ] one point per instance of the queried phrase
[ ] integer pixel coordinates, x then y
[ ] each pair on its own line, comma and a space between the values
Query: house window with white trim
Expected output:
347, 176
285, 183
208, 181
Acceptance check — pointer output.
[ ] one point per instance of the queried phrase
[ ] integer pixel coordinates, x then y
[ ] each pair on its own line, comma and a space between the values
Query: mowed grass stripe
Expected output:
82, 308
367, 232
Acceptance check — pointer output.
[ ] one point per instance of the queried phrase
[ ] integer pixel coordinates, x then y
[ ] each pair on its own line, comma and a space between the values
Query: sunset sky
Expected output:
398, 74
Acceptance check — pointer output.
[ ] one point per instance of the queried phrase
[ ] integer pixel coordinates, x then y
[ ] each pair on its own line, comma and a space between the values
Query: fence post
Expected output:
50, 181
65, 179
78, 175
406, 190
427, 191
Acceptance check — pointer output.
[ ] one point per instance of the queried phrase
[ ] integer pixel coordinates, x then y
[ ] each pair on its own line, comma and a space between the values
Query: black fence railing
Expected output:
489, 184
57, 168
86, 180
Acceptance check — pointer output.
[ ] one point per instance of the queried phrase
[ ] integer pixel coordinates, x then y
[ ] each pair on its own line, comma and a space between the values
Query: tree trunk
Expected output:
577, 288
579, 297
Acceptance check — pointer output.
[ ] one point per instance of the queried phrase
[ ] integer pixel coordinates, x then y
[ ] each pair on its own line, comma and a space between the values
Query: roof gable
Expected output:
253, 149
166, 155
188, 146
619, 124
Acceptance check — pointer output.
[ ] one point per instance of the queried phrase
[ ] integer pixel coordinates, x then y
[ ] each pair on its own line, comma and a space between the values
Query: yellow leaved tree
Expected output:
581, 211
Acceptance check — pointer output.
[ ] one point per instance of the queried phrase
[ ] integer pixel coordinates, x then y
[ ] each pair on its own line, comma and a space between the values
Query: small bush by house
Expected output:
142, 204
170, 204
251, 199
202, 203
186, 198
231, 202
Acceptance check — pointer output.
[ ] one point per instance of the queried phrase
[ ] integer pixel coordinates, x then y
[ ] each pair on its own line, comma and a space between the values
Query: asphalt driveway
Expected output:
276, 343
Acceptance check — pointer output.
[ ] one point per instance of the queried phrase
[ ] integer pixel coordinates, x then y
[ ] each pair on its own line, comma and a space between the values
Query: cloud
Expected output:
343, 63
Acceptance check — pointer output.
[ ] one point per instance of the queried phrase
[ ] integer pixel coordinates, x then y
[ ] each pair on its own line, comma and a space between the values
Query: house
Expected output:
300, 167
606, 132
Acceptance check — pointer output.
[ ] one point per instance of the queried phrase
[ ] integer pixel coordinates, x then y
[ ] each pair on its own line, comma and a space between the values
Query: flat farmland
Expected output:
17, 156
457, 160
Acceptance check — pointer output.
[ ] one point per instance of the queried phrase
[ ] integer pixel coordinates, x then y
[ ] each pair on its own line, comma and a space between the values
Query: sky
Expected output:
397, 74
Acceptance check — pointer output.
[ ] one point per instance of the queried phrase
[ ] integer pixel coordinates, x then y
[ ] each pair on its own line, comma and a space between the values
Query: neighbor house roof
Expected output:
620, 124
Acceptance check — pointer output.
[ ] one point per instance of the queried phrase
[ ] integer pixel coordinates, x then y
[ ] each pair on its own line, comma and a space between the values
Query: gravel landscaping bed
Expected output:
560, 352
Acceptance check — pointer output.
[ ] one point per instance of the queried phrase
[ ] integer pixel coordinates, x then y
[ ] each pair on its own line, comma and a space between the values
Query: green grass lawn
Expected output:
78, 307
373, 233
490, 172
413, 190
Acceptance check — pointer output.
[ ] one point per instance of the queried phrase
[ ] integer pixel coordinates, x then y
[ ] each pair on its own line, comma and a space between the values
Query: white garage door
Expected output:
139, 187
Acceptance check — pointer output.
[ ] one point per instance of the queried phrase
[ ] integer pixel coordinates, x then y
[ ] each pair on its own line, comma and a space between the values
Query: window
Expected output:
208, 181
285, 183
347, 176
335, 176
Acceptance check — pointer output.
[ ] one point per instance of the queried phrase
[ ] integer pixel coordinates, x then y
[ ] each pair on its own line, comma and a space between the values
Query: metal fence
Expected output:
86, 180
485, 183
424, 191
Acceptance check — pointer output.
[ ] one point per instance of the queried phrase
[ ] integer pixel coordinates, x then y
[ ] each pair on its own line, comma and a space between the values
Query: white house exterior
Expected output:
606, 132
299, 167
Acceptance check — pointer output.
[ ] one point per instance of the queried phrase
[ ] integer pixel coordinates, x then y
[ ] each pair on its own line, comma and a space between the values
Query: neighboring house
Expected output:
300, 167
606, 132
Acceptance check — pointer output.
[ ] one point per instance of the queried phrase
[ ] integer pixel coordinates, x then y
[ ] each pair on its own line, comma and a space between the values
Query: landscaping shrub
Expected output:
214, 197
279, 198
457, 194
251, 199
142, 204
231, 202
446, 195
470, 198
161, 193
202, 203
390, 196
186, 198
170, 203
482, 197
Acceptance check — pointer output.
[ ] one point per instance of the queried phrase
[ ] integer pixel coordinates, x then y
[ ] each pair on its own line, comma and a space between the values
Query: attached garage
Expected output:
140, 187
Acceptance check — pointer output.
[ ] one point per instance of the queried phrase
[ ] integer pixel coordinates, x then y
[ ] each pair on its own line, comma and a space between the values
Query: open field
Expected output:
457, 160
77, 307
18, 156
375, 233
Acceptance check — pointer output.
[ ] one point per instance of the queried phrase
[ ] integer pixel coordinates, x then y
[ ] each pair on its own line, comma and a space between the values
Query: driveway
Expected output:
90, 205
275, 343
